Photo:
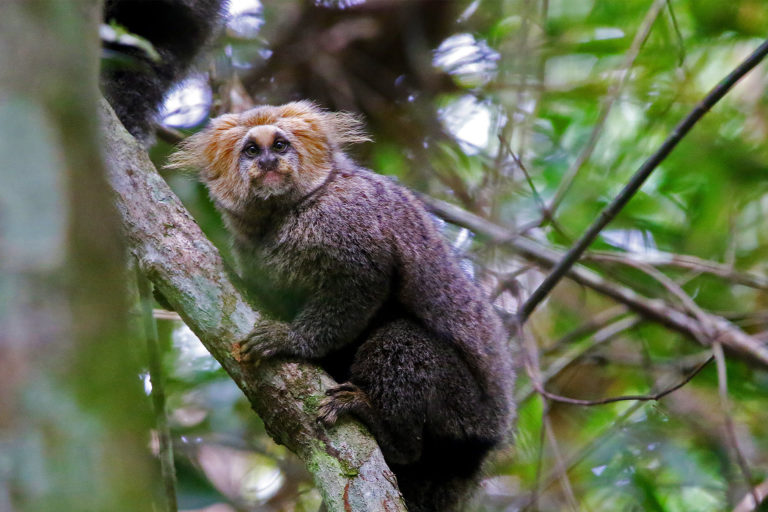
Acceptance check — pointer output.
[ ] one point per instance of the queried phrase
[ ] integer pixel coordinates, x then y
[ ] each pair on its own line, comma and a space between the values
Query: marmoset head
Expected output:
268, 152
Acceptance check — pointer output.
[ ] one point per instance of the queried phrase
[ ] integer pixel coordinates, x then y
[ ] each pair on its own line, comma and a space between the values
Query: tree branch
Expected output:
539, 387
601, 337
653, 309
637, 180
172, 251
730, 428
683, 261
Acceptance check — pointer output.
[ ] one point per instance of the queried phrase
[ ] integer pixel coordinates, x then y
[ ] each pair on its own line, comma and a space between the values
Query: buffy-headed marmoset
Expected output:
357, 277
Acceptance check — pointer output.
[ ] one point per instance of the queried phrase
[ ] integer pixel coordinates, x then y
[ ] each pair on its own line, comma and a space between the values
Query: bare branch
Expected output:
533, 366
637, 180
678, 34
172, 251
656, 310
594, 324
168, 134
689, 305
684, 261
601, 337
560, 467
704, 337
642, 398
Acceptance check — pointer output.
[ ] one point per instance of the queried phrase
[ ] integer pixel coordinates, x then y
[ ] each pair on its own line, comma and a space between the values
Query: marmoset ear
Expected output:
339, 128
213, 151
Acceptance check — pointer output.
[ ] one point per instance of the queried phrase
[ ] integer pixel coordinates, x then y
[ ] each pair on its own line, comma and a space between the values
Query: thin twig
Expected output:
533, 367
560, 465
708, 331
534, 496
725, 403
543, 208
679, 35
165, 452
684, 261
531, 360
596, 322
601, 337
642, 398
610, 99
167, 134
536, 196
637, 180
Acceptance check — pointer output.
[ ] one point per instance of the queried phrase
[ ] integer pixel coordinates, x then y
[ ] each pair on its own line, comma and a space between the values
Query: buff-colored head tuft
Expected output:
315, 134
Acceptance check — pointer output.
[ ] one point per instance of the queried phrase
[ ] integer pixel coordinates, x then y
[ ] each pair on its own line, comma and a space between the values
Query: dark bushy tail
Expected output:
443, 494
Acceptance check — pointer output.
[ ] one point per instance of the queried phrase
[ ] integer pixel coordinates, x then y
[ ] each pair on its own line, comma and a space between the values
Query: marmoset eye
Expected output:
280, 145
251, 150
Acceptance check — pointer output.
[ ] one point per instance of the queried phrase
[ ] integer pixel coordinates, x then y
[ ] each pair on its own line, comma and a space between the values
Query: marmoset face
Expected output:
268, 152
268, 162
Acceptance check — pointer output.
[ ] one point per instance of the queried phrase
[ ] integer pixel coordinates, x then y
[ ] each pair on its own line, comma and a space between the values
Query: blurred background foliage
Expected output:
531, 114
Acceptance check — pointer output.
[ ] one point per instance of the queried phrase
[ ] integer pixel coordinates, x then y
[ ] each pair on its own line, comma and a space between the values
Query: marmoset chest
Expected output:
288, 262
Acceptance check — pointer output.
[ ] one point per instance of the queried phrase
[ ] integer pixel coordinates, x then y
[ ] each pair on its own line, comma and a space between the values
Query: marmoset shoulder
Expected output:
358, 278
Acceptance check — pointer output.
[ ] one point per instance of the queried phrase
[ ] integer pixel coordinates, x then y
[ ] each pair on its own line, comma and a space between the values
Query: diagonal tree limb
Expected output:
656, 310
172, 251
637, 180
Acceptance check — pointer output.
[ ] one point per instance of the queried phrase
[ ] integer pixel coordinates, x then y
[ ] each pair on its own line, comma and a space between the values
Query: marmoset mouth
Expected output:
271, 178
270, 183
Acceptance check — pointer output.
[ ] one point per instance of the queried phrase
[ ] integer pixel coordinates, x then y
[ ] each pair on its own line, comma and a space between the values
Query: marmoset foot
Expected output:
343, 399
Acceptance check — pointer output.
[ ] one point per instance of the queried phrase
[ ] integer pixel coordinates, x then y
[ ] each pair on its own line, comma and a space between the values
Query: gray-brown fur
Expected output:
358, 278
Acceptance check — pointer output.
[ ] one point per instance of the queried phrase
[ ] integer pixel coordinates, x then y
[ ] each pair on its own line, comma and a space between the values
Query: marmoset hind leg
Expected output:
348, 399
406, 385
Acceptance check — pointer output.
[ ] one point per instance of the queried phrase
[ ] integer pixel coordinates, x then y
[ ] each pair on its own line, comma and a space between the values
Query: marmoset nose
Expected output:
268, 163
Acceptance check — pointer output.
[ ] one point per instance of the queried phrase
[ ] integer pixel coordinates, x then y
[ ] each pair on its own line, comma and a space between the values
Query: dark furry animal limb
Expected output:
347, 466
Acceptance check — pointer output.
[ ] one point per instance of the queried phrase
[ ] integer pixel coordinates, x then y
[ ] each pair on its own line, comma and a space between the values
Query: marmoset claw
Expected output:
266, 339
341, 399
